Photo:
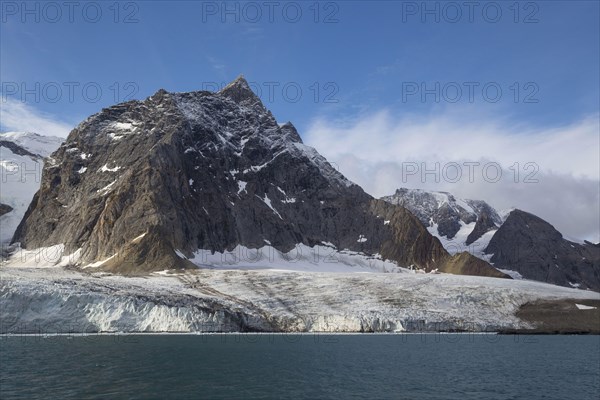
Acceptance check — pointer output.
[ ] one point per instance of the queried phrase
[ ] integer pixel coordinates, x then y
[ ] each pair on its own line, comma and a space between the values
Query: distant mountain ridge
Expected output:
447, 213
511, 240
22, 157
30, 143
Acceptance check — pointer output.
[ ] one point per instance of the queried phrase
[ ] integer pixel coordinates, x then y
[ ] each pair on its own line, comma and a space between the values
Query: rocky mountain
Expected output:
21, 160
461, 224
535, 249
168, 181
513, 241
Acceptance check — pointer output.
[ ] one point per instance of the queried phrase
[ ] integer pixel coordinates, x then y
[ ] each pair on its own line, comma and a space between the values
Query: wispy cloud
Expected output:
561, 183
218, 66
18, 116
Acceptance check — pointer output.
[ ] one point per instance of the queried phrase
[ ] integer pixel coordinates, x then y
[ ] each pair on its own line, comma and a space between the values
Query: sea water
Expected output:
309, 366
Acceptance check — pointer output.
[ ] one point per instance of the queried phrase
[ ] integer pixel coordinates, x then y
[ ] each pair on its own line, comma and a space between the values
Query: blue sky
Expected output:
361, 67
366, 51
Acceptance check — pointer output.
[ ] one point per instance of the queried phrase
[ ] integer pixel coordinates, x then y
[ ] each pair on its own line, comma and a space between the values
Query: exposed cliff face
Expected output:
143, 185
531, 246
485, 223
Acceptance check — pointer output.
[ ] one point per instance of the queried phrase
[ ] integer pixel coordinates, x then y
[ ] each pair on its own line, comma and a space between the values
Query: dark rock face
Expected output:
487, 220
483, 225
16, 149
534, 248
5, 209
447, 212
144, 180
448, 221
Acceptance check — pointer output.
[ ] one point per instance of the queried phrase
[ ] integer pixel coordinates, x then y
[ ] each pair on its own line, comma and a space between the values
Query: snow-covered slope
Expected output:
21, 161
320, 258
460, 224
458, 244
34, 143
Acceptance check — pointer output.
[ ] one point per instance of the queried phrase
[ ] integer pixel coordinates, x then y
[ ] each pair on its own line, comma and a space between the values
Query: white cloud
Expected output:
382, 153
18, 116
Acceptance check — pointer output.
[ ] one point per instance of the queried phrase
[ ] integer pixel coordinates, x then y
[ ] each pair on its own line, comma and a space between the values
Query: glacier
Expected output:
51, 299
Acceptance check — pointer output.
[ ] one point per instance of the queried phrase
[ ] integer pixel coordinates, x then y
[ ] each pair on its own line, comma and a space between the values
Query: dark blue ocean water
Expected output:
300, 367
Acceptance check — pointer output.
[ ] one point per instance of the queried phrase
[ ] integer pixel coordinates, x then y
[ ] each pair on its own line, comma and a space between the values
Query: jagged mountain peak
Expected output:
528, 220
537, 250
239, 81
448, 216
153, 184
290, 131
239, 91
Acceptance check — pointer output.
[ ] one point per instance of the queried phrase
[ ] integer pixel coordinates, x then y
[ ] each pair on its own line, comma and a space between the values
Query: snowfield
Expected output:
320, 258
53, 299
458, 243
21, 175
